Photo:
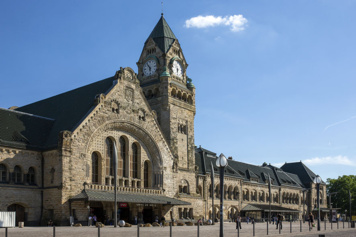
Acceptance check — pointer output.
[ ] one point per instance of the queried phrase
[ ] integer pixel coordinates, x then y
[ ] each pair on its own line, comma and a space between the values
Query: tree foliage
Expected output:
342, 185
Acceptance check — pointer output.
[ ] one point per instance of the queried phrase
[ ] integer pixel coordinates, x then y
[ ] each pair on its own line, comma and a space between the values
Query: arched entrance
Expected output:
20, 212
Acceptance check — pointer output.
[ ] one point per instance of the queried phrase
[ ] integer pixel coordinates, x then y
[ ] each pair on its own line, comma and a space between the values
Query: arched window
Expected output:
134, 161
94, 168
31, 176
3, 173
109, 156
17, 175
122, 158
145, 175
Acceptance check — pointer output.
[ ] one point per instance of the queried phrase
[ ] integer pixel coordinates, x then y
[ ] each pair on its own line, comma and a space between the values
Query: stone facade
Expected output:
149, 118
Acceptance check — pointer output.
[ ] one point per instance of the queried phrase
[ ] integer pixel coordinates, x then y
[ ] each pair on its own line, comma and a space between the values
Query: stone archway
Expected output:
131, 128
20, 212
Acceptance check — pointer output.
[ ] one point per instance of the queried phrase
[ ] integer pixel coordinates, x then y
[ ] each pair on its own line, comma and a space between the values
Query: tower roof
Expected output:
163, 35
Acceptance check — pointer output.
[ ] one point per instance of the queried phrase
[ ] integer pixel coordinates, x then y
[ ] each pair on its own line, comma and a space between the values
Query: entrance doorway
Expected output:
147, 215
96, 208
20, 212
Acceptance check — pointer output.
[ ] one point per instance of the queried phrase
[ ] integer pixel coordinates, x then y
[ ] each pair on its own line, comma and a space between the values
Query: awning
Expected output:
324, 209
107, 196
265, 208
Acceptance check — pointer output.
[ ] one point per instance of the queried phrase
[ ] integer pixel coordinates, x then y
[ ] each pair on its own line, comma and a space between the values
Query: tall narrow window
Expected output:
95, 168
145, 171
109, 157
122, 162
17, 175
3, 173
134, 161
31, 176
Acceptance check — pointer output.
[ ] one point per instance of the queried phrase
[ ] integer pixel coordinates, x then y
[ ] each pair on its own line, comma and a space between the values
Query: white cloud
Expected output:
330, 160
236, 22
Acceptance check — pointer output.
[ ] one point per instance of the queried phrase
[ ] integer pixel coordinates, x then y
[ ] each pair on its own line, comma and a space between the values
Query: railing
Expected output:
125, 189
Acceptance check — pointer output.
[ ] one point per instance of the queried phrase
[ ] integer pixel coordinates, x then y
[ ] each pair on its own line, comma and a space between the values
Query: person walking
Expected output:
311, 220
238, 222
279, 221
247, 220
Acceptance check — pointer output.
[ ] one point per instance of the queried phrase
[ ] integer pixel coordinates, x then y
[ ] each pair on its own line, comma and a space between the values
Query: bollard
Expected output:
331, 224
279, 226
198, 229
6, 232
54, 231
321, 235
138, 230
253, 228
324, 224
267, 227
291, 226
238, 231
300, 225
170, 229
337, 223
343, 224
98, 230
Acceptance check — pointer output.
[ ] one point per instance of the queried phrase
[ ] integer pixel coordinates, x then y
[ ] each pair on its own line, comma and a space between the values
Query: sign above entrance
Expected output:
123, 204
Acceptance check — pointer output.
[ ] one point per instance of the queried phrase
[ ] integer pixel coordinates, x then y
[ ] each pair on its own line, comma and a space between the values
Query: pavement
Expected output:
183, 231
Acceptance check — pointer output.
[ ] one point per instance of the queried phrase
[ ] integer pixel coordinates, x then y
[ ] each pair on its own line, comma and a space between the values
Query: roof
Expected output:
162, 35
247, 172
107, 196
265, 208
23, 130
302, 171
65, 110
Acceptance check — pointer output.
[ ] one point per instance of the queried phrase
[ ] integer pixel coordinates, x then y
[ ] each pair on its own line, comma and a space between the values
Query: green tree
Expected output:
342, 185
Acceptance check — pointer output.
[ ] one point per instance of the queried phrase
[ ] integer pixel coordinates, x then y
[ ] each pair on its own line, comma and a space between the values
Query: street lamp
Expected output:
221, 162
88, 215
331, 206
318, 180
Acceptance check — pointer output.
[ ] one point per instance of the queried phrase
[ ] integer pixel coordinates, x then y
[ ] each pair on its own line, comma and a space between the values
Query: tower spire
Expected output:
162, 8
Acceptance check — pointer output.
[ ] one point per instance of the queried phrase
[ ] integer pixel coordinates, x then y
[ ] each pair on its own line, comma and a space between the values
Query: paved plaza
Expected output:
182, 231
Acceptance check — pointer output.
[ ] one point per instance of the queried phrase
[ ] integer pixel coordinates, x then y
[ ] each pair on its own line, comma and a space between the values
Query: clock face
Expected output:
177, 69
150, 67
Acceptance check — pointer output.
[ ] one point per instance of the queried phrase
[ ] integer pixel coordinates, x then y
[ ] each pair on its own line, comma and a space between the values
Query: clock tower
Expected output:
168, 90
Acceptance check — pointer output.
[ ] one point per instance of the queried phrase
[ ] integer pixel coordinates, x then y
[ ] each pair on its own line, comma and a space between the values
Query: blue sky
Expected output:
275, 80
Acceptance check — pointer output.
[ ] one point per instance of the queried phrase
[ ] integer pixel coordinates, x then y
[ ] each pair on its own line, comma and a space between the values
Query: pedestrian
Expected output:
279, 221
311, 220
247, 220
238, 222
135, 220
163, 221
94, 219
273, 220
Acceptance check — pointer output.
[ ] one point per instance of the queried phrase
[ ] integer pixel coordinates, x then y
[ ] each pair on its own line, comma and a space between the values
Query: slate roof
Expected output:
279, 177
23, 130
107, 196
163, 35
38, 124
302, 171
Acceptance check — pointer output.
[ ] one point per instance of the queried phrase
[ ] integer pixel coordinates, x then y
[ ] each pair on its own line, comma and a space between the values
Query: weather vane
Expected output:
162, 7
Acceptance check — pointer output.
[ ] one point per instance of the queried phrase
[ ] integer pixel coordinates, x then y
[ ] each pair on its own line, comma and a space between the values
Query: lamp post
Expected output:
350, 205
331, 206
317, 181
304, 190
221, 162
88, 215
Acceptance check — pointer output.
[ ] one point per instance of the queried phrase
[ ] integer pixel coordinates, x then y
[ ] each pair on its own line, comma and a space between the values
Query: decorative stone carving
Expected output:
129, 94
99, 99
65, 140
